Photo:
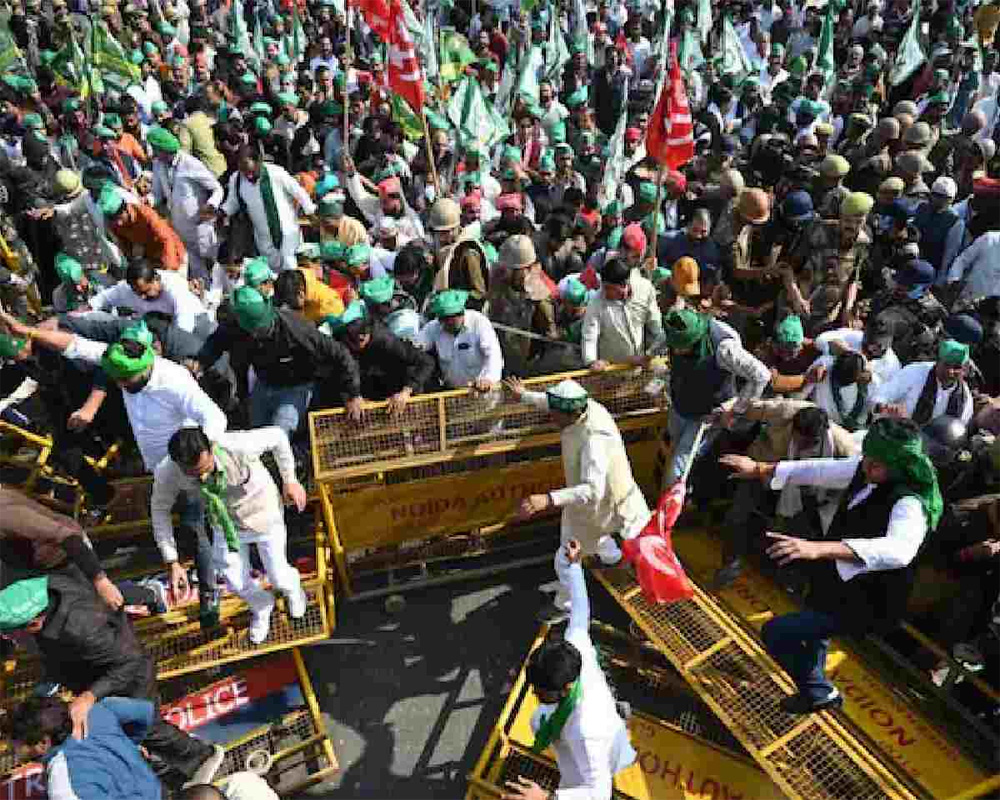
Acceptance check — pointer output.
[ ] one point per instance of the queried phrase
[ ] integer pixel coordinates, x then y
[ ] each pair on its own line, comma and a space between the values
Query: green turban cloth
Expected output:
901, 449
253, 311
358, 254
162, 139
952, 353
22, 601
687, 330
567, 396
789, 331
110, 200
10, 346
120, 366
378, 291
575, 292
138, 333
159, 107
69, 270
257, 272
449, 303
332, 251
353, 313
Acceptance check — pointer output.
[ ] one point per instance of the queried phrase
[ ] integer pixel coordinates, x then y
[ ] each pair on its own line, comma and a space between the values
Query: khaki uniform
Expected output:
821, 246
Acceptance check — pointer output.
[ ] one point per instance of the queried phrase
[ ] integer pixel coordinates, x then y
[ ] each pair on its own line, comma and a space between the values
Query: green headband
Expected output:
907, 463
952, 353
120, 366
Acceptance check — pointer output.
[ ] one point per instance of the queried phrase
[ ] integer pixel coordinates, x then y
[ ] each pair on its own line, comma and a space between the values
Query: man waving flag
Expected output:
387, 19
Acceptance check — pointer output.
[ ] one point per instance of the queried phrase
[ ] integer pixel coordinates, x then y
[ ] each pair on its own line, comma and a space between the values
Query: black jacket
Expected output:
389, 364
293, 354
87, 646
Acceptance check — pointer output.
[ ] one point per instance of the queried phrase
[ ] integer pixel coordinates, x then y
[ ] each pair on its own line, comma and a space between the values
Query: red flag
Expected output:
670, 134
657, 567
405, 75
377, 15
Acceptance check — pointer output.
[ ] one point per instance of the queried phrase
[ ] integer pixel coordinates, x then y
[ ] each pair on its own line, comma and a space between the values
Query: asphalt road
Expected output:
412, 697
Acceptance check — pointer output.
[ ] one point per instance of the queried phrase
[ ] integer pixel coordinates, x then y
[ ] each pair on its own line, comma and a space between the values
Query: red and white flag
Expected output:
670, 135
385, 18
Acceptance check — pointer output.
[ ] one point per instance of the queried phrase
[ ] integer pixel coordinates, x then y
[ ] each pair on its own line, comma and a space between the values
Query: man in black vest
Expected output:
865, 566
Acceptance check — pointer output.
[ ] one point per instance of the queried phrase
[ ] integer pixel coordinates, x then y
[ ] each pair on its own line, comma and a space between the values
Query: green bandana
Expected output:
575, 293
119, 366
69, 270
378, 291
952, 353
908, 465
449, 303
253, 311
687, 330
10, 346
22, 601
138, 333
789, 331
213, 489
550, 727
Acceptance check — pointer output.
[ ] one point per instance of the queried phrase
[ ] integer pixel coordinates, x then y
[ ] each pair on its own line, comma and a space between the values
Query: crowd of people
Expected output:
236, 218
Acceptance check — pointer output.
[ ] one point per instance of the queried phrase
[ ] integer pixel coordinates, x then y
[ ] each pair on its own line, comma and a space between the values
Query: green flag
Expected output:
689, 54
298, 35
70, 67
614, 173
910, 55
110, 57
527, 79
824, 51
258, 38
412, 125
556, 51
456, 55
11, 58
704, 20
734, 57
580, 31
474, 118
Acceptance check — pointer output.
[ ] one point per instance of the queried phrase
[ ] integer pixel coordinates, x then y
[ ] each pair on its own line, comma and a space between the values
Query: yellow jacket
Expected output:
321, 300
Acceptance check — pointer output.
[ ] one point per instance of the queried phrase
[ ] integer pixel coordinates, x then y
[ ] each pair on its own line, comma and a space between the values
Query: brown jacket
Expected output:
772, 443
33, 537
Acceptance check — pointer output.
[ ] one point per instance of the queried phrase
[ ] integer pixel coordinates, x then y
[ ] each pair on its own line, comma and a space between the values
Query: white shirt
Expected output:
907, 522
169, 480
331, 63
979, 266
288, 193
408, 225
882, 368
593, 745
184, 186
176, 299
907, 385
171, 400
472, 354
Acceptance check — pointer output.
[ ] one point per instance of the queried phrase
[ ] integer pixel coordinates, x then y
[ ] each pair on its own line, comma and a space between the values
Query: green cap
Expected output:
149, 48
798, 65
110, 200
332, 251
68, 269
330, 205
557, 134
159, 107
138, 333
104, 132
288, 99
547, 162
120, 366
33, 122
358, 254
574, 292
136, 57
252, 310
789, 331
22, 601
260, 108
162, 139
113, 121
248, 79
331, 108
615, 237
378, 291
659, 275
257, 271
952, 353
262, 125
942, 98
10, 346
567, 396
449, 303
612, 209
166, 29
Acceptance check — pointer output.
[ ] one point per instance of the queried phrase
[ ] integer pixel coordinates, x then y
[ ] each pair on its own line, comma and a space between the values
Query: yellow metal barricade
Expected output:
457, 462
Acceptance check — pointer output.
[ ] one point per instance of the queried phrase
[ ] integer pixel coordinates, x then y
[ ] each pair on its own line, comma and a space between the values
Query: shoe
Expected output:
803, 704
159, 604
551, 615
260, 624
297, 603
207, 769
208, 612
726, 574
968, 656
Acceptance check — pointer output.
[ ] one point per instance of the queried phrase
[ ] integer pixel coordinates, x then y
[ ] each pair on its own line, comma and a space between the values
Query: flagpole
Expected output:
656, 213
430, 151
347, 103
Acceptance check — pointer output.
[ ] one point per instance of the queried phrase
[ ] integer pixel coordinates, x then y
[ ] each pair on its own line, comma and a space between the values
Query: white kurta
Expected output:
408, 225
472, 354
907, 384
175, 299
288, 193
593, 745
883, 368
184, 187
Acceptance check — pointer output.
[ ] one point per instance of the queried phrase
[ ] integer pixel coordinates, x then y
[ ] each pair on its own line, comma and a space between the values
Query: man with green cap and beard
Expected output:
76, 285
706, 358
863, 570
464, 341
924, 390
289, 355
601, 499
159, 397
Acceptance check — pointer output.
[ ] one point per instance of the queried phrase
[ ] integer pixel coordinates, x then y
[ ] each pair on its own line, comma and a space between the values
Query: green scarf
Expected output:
688, 330
550, 727
270, 207
908, 466
213, 489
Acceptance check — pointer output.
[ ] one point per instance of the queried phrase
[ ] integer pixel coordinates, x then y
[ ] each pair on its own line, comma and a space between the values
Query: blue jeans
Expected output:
284, 406
191, 510
799, 642
682, 432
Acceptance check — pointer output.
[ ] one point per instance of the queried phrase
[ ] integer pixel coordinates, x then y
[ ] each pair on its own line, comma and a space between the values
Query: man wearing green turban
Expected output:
864, 571
706, 358
926, 390
464, 341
